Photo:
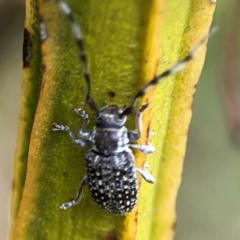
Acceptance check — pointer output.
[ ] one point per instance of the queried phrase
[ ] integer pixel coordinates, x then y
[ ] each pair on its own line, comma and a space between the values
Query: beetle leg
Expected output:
83, 133
78, 197
147, 149
135, 135
146, 175
78, 142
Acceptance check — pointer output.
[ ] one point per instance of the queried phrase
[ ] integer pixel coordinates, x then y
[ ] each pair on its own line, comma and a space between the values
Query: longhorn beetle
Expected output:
110, 163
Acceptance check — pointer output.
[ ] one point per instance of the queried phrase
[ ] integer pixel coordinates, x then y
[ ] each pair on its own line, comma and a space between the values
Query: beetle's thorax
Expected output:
110, 135
107, 141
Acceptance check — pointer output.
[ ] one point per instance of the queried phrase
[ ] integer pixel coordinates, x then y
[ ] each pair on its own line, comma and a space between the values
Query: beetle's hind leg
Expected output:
78, 197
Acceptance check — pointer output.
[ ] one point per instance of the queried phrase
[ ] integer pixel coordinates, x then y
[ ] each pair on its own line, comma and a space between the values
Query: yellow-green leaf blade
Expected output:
29, 97
118, 37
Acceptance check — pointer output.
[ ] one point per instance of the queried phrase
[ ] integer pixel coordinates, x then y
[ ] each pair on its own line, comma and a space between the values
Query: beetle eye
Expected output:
117, 118
121, 117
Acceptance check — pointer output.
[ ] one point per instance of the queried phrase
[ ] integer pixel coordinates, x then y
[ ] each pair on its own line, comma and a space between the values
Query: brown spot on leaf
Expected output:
111, 235
174, 225
42, 86
148, 133
111, 94
156, 68
43, 67
136, 217
27, 48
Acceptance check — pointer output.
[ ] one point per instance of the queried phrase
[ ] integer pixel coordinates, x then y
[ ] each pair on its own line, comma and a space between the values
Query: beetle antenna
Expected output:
176, 68
76, 29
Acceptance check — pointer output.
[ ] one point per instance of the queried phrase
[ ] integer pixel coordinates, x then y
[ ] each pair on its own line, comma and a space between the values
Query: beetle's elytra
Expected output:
110, 163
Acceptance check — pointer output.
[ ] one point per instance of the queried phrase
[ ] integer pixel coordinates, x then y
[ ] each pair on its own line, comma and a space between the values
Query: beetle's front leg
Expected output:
78, 142
147, 149
135, 135
83, 133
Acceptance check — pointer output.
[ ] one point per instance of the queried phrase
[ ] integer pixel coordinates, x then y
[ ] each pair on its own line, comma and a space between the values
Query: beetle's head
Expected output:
110, 117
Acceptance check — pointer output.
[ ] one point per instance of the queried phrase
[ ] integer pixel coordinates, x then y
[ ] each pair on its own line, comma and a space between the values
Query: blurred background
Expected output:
11, 37
208, 205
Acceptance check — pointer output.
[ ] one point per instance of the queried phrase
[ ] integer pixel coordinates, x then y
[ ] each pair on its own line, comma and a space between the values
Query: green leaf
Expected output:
31, 84
125, 42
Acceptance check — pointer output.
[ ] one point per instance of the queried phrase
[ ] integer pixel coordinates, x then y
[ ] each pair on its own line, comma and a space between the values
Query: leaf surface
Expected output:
127, 44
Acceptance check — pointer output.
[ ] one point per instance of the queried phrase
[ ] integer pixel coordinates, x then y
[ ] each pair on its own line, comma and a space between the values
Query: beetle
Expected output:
110, 163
